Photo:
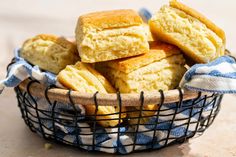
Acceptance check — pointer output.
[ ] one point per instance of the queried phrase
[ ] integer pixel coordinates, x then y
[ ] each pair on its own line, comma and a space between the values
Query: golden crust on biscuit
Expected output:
83, 78
200, 17
179, 25
157, 52
49, 52
113, 35
164, 74
111, 19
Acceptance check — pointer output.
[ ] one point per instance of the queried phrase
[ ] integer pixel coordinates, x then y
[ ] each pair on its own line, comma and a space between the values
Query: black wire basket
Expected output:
57, 114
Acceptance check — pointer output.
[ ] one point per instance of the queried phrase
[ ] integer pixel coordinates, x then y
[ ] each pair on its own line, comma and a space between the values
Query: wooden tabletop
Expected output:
24, 18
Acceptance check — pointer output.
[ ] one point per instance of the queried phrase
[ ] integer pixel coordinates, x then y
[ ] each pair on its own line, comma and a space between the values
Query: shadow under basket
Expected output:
56, 114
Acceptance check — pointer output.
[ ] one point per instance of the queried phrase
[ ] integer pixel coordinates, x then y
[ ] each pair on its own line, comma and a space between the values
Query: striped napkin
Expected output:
218, 76
19, 70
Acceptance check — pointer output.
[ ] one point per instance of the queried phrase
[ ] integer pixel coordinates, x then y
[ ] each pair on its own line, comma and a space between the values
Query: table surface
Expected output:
25, 18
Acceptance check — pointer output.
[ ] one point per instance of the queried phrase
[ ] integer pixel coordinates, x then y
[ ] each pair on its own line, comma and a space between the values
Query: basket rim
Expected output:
107, 99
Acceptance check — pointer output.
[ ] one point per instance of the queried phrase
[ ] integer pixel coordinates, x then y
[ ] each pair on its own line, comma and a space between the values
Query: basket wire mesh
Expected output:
51, 119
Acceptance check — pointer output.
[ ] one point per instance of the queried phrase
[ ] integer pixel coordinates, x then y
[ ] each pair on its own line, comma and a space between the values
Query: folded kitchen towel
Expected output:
19, 70
219, 76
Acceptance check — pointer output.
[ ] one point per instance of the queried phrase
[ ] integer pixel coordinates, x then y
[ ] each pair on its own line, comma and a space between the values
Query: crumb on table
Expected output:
47, 146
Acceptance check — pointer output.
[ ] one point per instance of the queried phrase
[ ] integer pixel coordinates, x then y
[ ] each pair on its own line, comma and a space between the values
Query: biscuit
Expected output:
110, 35
194, 34
49, 52
83, 78
160, 69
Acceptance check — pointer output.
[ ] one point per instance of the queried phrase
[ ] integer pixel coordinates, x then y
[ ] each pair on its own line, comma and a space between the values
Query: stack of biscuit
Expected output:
160, 69
114, 52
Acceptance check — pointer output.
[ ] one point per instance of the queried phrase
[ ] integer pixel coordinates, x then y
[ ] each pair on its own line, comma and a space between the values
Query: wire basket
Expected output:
57, 114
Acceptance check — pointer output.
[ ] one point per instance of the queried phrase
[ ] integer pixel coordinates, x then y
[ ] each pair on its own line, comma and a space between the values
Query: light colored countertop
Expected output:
24, 18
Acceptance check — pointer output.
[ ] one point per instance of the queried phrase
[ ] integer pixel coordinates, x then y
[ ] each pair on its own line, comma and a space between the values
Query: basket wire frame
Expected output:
204, 108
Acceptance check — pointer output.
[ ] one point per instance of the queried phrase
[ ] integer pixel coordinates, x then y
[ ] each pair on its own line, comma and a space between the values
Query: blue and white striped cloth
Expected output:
20, 70
219, 76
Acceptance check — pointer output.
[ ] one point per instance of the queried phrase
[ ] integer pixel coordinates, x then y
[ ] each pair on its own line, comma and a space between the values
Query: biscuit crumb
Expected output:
47, 146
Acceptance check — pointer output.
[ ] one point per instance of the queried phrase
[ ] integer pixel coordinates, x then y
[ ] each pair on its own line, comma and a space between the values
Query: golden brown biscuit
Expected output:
110, 35
161, 68
184, 27
111, 19
49, 52
83, 78
158, 51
